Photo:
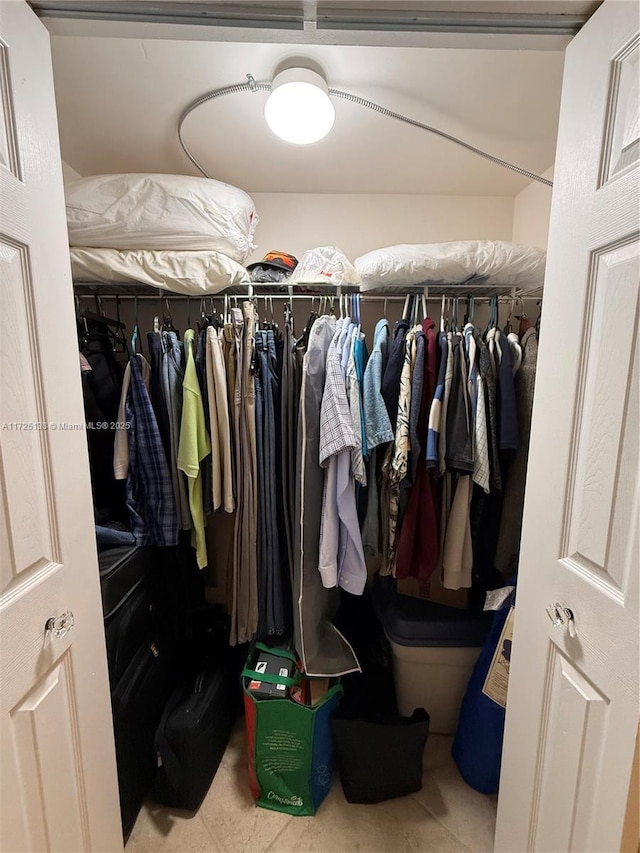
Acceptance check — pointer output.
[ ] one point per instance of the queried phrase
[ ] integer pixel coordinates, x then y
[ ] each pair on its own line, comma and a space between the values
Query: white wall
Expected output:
359, 223
531, 212
69, 173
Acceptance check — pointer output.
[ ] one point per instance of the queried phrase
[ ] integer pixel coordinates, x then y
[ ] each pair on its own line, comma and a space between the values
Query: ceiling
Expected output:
119, 100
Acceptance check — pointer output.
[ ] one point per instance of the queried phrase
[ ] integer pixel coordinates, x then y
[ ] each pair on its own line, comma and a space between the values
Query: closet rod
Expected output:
283, 297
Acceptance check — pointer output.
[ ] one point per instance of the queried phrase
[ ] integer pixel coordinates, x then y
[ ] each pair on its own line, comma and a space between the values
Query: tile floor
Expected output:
446, 816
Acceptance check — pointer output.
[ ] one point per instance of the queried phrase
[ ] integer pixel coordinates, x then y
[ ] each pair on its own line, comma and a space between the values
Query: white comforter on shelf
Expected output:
496, 261
144, 211
189, 273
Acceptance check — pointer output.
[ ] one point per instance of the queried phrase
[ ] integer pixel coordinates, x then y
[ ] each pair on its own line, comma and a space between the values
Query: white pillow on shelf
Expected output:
188, 273
144, 211
495, 261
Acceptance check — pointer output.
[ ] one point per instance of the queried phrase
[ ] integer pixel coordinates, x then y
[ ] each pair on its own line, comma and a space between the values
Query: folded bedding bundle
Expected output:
141, 211
492, 261
185, 234
190, 273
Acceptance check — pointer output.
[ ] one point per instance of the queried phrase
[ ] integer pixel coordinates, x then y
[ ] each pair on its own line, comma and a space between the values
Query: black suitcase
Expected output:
122, 569
193, 734
130, 603
138, 702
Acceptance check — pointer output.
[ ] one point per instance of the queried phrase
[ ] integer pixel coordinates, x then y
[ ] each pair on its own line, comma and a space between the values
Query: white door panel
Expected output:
59, 790
572, 711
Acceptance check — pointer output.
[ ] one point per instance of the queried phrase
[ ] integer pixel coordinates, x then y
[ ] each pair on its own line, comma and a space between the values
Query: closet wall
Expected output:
69, 173
360, 223
531, 212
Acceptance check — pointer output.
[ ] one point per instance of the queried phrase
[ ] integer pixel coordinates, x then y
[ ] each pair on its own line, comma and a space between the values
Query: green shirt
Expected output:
194, 446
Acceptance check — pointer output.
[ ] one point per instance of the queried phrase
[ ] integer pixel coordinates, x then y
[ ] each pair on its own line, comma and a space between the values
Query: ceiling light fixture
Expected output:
298, 108
305, 114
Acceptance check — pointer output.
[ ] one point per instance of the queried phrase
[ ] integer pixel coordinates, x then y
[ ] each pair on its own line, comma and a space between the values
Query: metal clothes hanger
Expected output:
493, 314
405, 307
167, 321
456, 327
471, 309
508, 327
156, 319
135, 334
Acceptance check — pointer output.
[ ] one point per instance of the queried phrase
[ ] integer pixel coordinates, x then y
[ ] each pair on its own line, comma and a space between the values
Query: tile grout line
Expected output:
217, 847
270, 847
438, 821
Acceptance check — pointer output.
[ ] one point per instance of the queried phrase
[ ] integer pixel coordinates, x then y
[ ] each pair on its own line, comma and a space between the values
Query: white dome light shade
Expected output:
298, 108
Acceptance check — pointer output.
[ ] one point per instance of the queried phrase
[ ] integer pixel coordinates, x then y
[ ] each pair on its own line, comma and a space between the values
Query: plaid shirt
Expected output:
150, 500
336, 424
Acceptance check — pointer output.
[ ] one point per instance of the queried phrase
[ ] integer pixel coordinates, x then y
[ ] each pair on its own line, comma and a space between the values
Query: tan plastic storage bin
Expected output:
435, 648
433, 678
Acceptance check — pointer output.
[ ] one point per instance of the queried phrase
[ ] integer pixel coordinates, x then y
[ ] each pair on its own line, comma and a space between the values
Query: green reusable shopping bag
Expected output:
289, 745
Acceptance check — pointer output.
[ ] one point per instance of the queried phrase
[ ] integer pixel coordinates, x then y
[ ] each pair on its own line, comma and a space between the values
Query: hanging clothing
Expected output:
121, 441
341, 558
390, 387
508, 546
370, 528
481, 469
459, 453
489, 382
418, 549
346, 338
417, 388
494, 350
355, 407
436, 423
289, 403
220, 429
457, 555
378, 431
396, 461
324, 651
376, 417
201, 371
172, 379
486, 508
360, 356
194, 446
244, 617
248, 542
101, 387
444, 411
234, 334
152, 509
227, 337
508, 432
271, 603
214, 429
515, 348
156, 389
402, 444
